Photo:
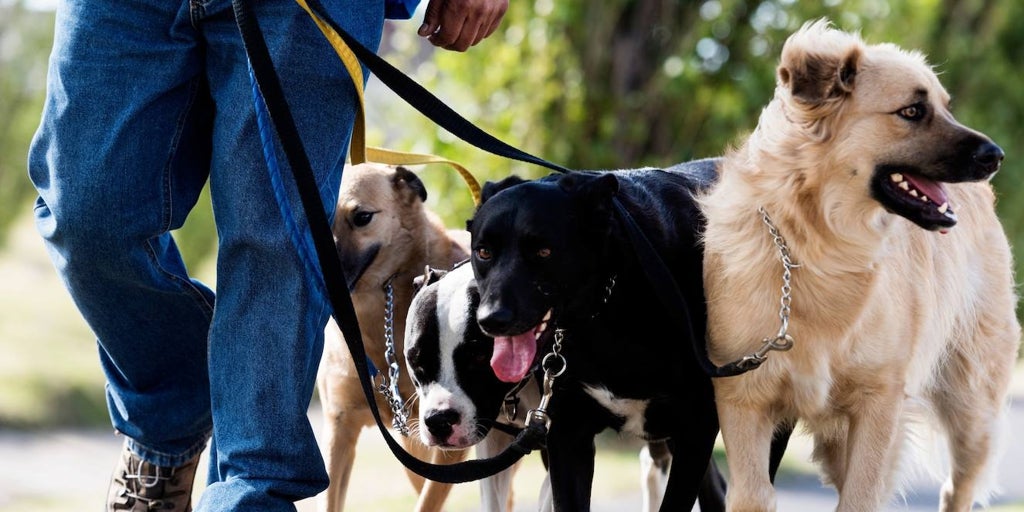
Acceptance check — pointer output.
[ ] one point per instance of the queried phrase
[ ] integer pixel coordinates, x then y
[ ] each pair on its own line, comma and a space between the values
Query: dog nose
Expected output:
439, 423
988, 156
494, 320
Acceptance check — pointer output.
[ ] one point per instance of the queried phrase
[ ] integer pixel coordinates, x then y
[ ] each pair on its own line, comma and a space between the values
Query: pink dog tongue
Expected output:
932, 189
513, 356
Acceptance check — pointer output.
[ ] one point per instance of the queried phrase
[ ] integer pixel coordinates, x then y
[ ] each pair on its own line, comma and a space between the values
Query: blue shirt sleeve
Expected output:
399, 9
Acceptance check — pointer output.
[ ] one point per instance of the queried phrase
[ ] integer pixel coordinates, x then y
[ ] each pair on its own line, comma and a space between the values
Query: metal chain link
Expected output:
782, 341
787, 266
388, 386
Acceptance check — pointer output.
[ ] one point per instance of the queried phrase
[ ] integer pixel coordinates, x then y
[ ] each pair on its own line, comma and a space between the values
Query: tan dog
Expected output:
860, 166
383, 231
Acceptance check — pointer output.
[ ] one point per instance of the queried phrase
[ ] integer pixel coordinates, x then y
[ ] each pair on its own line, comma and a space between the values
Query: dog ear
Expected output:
819, 63
491, 188
407, 178
596, 189
430, 276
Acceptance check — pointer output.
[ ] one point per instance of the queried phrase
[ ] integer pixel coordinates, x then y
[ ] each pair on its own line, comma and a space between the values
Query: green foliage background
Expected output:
628, 83
618, 83
590, 85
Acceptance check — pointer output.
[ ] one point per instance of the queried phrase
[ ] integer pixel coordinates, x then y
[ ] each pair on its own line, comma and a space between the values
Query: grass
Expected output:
49, 375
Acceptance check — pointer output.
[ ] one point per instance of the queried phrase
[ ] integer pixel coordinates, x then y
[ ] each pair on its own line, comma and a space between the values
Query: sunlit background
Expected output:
591, 85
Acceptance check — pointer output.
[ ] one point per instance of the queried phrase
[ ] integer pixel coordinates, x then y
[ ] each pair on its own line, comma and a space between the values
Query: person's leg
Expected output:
267, 333
119, 159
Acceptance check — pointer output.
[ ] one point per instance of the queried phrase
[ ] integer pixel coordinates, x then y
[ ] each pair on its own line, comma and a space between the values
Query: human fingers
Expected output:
431, 18
464, 23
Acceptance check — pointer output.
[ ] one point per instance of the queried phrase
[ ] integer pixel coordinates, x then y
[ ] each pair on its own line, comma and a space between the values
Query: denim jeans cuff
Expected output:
167, 459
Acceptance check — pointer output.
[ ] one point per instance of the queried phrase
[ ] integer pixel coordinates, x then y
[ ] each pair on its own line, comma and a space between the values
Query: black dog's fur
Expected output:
556, 244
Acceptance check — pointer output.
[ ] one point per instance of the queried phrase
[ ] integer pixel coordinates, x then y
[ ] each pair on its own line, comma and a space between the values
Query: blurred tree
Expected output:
25, 39
628, 83
26, 36
978, 45
620, 83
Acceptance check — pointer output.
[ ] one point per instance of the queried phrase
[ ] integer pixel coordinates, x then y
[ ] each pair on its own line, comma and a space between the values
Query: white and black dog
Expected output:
460, 398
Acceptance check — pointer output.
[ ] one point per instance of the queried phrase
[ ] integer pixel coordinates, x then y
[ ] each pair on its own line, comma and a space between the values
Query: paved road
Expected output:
69, 471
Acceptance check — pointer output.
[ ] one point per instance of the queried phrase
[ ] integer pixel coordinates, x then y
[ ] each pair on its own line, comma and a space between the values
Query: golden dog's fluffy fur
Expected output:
889, 318
383, 231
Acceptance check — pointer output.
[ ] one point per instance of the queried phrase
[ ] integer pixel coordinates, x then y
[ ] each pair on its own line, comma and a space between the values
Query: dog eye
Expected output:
483, 253
914, 112
544, 252
361, 219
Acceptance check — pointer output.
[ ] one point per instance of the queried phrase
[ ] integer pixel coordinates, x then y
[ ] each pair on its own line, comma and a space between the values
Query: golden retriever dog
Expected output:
383, 232
894, 313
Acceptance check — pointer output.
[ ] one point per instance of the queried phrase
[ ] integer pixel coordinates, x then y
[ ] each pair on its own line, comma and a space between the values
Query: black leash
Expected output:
532, 437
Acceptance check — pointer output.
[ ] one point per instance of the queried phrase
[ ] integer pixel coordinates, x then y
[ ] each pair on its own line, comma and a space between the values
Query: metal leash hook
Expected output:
554, 365
781, 342
388, 386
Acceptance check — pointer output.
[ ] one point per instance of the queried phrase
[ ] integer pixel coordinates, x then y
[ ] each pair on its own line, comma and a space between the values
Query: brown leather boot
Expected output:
139, 486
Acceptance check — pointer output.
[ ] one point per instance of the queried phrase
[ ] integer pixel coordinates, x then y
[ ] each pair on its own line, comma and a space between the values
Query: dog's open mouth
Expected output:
914, 197
514, 355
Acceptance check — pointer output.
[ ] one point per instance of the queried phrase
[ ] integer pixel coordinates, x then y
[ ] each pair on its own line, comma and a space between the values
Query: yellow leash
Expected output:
359, 152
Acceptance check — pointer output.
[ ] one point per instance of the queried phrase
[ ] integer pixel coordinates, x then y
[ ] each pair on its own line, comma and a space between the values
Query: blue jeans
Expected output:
146, 101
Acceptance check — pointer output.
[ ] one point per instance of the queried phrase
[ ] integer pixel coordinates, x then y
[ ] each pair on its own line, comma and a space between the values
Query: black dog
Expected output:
553, 254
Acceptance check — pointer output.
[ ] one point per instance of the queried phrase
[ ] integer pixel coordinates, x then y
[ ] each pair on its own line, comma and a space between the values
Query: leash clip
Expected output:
539, 416
553, 365
781, 343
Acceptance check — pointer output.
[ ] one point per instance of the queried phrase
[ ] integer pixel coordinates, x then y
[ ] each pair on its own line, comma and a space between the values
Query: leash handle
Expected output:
359, 152
402, 158
269, 86
425, 102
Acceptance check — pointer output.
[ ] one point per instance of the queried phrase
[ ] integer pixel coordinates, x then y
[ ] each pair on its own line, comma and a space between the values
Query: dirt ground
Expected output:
70, 470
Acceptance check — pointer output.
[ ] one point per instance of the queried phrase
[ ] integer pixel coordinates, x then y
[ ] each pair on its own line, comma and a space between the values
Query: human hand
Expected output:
458, 24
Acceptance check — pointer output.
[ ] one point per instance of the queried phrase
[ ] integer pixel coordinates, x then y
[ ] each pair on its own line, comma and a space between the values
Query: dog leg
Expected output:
693, 470
545, 499
830, 453
779, 443
970, 405
420, 451
495, 491
712, 490
747, 433
433, 494
570, 465
873, 444
341, 432
655, 462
